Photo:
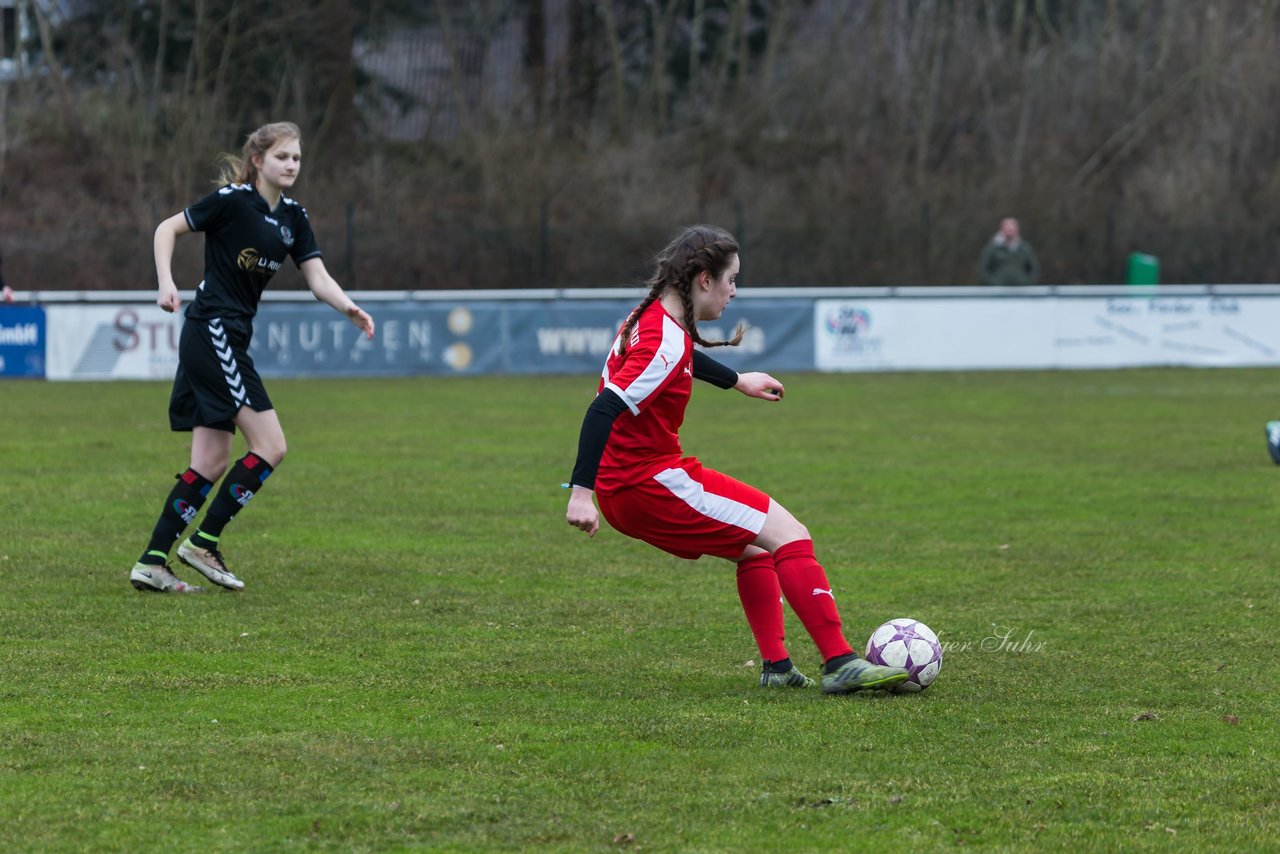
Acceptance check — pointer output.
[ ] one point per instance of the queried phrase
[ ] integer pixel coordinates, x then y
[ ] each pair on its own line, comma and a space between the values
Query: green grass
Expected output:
428, 657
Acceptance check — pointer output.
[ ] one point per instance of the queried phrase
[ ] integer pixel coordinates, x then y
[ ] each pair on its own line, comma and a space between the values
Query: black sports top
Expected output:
245, 243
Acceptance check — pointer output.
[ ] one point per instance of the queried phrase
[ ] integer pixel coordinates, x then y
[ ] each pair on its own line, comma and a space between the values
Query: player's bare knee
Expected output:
794, 531
211, 469
272, 452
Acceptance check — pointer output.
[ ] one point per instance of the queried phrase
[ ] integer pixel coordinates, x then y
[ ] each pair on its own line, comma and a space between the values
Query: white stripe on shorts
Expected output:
227, 361
716, 507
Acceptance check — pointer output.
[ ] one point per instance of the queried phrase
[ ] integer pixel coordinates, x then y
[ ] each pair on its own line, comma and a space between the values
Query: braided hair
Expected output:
696, 250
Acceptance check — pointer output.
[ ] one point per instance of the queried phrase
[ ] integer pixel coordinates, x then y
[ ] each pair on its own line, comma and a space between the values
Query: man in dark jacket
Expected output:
1008, 259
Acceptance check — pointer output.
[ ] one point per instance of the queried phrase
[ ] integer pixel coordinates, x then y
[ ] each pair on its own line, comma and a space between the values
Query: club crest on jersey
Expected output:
286, 235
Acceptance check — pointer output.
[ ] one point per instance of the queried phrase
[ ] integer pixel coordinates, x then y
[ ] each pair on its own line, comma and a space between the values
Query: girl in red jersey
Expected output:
629, 457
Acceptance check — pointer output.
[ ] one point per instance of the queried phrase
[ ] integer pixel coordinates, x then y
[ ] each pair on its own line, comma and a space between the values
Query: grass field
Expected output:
427, 657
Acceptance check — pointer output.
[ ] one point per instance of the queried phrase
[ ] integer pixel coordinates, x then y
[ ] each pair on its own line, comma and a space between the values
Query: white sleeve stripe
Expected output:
626, 398
716, 507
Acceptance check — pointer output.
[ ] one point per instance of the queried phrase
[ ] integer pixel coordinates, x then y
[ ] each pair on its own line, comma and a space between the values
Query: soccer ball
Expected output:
908, 643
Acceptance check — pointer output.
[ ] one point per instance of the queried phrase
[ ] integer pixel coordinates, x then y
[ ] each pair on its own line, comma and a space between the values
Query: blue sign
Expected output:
22, 339
574, 336
505, 337
412, 338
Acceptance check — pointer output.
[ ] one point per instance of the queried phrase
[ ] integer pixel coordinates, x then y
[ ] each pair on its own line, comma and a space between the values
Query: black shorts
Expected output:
215, 375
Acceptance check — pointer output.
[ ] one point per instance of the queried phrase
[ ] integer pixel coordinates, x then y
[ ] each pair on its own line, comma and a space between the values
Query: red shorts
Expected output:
689, 511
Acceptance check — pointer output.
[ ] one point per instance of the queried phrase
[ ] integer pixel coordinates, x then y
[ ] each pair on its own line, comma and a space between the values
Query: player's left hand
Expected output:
361, 318
761, 385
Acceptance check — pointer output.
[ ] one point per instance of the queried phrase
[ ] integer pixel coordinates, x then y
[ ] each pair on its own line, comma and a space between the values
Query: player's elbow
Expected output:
321, 285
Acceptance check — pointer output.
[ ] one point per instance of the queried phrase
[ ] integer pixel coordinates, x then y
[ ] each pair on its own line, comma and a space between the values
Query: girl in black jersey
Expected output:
250, 227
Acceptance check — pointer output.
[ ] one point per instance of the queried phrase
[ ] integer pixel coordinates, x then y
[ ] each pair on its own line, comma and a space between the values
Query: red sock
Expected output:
808, 592
762, 601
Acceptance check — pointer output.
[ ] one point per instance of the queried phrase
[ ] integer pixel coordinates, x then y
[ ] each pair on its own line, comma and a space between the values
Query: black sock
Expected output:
782, 665
180, 508
237, 488
834, 663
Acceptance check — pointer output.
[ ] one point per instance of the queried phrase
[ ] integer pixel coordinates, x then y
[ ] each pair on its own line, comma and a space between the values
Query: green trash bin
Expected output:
1143, 269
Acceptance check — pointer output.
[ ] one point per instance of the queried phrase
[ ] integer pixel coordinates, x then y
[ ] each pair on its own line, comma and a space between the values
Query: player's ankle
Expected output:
837, 661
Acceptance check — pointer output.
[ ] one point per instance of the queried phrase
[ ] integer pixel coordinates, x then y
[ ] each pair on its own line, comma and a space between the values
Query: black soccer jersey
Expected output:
245, 244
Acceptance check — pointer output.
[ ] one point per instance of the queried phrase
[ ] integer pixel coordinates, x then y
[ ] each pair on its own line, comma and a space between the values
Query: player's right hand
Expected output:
168, 298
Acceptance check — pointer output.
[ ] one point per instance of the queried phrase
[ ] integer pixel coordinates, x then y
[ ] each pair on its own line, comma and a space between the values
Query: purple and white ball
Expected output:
908, 643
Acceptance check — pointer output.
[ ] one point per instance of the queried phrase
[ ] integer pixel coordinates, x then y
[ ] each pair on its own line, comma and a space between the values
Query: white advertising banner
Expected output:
956, 330
111, 342
1045, 332
1171, 330
932, 334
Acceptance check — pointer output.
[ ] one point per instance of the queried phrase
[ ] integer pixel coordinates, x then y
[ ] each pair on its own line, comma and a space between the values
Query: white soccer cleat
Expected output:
1273, 441
208, 562
158, 579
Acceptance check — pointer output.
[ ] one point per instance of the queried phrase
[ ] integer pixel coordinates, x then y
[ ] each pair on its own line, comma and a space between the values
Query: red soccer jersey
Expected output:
654, 378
